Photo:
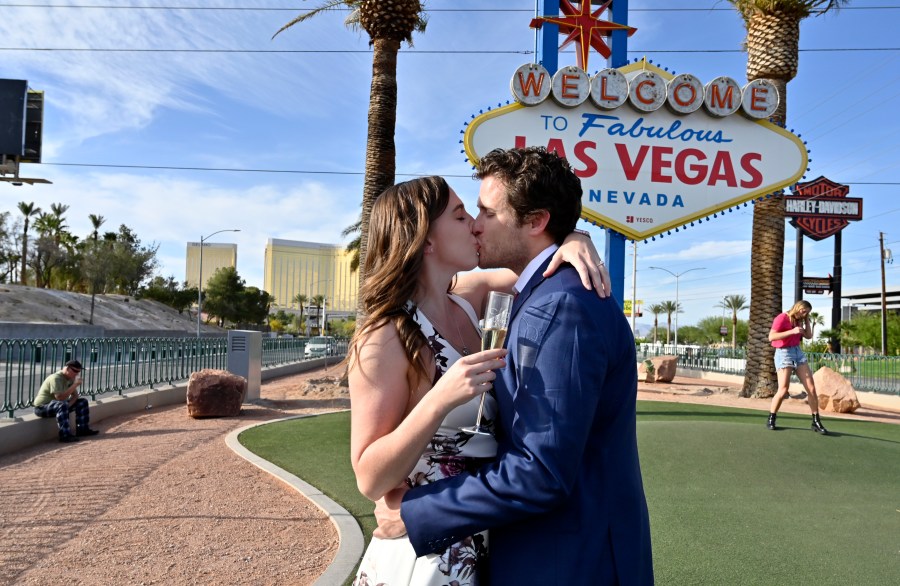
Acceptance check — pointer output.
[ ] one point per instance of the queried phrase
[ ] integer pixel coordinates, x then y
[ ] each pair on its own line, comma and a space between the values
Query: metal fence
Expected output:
866, 372
114, 365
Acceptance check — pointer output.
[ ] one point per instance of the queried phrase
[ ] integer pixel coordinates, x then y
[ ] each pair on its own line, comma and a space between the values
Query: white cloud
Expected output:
705, 250
171, 211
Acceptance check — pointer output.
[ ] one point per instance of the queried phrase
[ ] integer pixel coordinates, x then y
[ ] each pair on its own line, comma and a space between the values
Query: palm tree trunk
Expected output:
766, 265
24, 275
765, 290
734, 332
380, 149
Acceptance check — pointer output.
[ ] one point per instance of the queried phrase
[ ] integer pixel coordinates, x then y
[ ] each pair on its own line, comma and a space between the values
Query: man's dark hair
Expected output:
536, 179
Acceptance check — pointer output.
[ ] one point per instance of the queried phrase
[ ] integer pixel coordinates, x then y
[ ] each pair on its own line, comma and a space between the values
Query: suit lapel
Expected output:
526, 334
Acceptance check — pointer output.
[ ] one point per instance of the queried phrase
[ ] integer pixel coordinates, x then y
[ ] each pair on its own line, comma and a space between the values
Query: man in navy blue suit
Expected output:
564, 500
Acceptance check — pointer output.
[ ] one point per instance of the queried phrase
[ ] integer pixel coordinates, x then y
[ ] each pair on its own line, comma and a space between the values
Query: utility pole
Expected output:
883, 299
634, 290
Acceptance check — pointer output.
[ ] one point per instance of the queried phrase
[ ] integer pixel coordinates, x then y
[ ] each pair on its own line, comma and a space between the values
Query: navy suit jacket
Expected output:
564, 501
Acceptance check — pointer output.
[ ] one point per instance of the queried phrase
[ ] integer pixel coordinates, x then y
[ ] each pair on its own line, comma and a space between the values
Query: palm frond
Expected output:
352, 228
328, 5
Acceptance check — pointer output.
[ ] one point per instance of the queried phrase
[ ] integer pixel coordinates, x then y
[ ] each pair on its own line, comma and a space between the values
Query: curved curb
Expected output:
351, 542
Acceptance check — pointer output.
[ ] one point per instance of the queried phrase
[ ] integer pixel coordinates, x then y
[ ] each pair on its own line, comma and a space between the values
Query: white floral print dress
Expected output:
392, 562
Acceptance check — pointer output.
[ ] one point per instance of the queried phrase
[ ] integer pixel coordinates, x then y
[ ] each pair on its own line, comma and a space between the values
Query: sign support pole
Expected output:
615, 242
884, 338
547, 38
836, 295
548, 55
798, 267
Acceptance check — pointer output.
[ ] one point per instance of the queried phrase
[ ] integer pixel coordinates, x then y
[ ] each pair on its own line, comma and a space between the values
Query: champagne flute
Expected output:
493, 334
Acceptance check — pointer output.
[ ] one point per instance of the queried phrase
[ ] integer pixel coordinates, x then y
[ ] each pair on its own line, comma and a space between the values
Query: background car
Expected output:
319, 346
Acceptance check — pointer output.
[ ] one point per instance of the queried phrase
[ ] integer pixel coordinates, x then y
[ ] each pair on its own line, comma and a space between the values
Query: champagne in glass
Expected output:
496, 319
493, 338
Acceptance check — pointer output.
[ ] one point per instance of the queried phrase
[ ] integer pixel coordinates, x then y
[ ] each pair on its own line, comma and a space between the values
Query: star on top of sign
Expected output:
584, 28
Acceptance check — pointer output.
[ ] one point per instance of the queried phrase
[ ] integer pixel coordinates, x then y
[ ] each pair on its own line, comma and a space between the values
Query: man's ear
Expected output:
537, 221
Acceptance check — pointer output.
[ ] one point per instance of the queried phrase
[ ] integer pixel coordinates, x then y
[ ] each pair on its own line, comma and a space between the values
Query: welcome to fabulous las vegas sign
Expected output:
654, 151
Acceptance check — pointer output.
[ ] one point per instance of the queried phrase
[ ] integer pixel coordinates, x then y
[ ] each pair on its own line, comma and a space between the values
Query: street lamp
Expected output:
676, 275
200, 275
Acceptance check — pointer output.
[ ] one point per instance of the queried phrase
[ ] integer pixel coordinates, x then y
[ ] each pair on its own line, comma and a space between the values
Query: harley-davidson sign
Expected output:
821, 208
654, 151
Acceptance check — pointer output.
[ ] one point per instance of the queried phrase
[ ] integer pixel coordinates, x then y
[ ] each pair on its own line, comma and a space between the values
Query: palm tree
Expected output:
388, 25
735, 303
96, 222
816, 319
58, 209
53, 225
300, 299
773, 38
656, 309
28, 210
319, 302
670, 307
353, 245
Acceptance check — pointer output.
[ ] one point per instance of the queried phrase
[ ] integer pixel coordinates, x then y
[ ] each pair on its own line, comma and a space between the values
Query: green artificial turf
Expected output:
730, 501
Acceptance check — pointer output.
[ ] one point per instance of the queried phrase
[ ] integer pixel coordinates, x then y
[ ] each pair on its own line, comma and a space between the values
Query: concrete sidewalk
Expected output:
159, 498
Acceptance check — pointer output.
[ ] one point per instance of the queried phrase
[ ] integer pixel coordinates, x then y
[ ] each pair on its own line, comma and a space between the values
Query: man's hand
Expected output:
387, 513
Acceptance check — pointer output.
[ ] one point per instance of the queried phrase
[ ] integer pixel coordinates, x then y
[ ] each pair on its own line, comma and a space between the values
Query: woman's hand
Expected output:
469, 377
579, 251
387, 514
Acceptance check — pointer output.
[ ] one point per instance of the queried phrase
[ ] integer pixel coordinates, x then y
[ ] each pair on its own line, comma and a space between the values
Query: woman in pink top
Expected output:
788, 329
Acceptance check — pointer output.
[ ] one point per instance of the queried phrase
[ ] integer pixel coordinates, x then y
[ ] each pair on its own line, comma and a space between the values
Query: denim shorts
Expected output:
790, 357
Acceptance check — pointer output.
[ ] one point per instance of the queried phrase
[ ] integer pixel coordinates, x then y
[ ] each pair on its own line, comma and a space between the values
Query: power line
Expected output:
310, 171
338, 9
413, 51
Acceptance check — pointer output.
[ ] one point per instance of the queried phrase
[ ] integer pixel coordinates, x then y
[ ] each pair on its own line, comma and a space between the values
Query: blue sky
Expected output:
207, 88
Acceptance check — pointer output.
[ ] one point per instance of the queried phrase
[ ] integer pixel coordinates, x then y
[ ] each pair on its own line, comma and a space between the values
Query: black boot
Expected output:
771, 423
817, 425
67, 438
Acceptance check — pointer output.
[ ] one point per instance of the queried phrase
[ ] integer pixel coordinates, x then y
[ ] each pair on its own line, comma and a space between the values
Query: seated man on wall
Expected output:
59, 395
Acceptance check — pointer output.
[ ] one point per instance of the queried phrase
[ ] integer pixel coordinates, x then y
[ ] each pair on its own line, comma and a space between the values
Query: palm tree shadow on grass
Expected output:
700, 414
795, 423
837, 434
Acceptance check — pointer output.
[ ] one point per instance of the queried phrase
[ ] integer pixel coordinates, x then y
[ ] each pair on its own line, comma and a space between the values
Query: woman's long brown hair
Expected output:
398, 228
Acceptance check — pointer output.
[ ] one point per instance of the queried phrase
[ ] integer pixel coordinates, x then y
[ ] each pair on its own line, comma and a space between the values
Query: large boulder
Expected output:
834, 391
215, 393
665, 368
661, 369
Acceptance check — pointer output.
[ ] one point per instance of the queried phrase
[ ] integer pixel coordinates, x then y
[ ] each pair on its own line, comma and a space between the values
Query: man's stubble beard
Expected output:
507, 255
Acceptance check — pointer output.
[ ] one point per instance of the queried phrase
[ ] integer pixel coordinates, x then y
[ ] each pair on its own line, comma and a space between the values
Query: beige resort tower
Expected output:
294, 268
215, 256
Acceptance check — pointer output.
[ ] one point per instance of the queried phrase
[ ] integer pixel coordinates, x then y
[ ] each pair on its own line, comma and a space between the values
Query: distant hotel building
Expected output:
215, 256
309, 268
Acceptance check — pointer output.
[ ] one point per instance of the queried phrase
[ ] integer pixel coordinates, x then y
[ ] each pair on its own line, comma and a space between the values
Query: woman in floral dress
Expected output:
416, 375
